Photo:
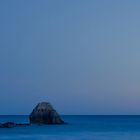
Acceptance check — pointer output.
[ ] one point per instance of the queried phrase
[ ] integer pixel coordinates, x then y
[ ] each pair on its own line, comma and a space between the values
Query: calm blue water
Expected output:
79, 128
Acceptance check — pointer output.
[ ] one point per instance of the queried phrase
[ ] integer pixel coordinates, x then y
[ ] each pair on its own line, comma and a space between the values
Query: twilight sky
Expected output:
83, 56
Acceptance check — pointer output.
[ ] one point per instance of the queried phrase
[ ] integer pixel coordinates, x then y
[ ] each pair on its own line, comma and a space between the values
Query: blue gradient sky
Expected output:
83, 56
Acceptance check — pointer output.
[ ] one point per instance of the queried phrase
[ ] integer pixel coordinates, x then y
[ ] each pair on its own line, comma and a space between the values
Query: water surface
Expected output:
79, 128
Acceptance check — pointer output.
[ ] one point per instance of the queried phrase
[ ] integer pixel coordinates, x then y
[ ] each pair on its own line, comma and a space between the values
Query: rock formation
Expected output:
12, 124
44, 113
7, 125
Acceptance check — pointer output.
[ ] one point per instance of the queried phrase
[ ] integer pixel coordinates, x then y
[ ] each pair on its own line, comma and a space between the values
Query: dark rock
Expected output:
44, 113
8, 125
12, 124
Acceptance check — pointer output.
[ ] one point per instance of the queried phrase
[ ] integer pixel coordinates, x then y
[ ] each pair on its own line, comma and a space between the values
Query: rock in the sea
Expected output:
44, 113
8, 125
12, 124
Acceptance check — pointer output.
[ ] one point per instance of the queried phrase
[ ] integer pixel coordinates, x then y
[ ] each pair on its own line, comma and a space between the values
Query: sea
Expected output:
79, 127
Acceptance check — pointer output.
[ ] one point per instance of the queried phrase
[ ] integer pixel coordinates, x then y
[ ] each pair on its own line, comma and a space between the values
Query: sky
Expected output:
82, 56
